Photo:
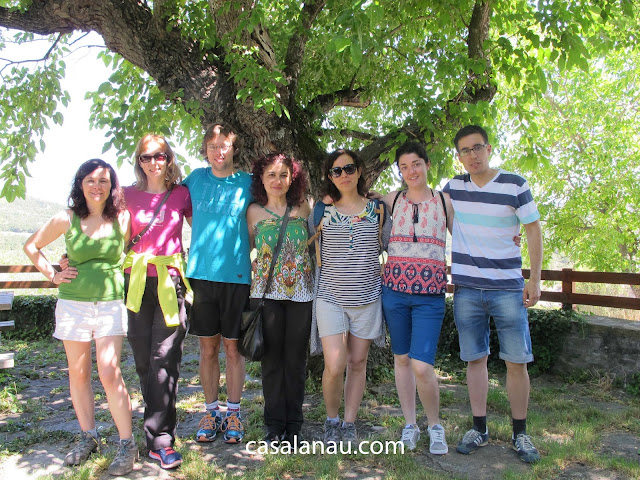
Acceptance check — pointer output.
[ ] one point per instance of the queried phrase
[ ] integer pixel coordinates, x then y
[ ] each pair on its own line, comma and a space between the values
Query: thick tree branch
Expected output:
296, 47
346, 97
347, 132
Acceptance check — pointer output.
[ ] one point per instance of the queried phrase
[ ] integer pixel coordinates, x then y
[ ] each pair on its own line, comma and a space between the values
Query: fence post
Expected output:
567, 288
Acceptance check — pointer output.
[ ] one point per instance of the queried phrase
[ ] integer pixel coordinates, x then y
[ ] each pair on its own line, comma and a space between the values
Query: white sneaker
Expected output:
437, 442
410, 436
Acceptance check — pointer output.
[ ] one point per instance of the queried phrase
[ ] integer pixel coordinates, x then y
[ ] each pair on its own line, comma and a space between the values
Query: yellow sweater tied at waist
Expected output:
166, 289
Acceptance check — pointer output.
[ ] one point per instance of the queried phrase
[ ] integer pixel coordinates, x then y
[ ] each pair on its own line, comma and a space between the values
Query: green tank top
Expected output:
98, 261
292, 275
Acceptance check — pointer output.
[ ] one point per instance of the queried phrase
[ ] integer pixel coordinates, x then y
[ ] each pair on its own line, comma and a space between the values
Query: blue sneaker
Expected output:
168, 457
208, 427
232, 428
471, 441
526, 451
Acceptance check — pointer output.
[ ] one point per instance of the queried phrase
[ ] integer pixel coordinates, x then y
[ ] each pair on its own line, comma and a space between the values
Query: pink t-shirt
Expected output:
165, 235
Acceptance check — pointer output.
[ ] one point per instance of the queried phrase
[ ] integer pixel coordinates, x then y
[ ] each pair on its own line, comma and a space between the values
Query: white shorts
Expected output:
364, 321
84, 321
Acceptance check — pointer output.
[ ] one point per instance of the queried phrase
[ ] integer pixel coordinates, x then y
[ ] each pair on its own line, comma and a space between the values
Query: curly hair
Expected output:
78, 203
216, 130
172, 176
298, 188
328, 187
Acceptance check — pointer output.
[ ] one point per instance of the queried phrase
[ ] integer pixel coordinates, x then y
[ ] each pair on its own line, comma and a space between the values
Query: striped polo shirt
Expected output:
486, 219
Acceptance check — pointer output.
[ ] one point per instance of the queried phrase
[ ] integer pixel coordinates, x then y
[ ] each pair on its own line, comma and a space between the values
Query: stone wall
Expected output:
602, 344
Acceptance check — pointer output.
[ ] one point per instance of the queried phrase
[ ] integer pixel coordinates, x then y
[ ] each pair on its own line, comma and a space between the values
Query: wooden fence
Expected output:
567, 296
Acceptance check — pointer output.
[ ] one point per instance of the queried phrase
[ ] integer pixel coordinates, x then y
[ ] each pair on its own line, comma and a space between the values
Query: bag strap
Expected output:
444, 206
393, 206
318, 217
137, 238
276, 251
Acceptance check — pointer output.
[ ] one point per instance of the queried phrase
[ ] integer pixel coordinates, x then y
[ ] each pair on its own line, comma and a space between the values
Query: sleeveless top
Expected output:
292, 273
98, 261
416, 262
350, 273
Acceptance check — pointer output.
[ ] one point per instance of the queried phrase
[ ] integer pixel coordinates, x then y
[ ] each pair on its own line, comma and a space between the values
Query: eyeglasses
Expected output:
222, 148
478, 148
349, 169
158, 157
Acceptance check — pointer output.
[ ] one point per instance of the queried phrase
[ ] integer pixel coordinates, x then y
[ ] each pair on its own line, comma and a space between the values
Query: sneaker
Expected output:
332, 432
526, 451
471, 441
208, 427
437, 442
232, 428
272, 438
168, 457
292, 438
125, 458
410, 436
83, 449
349, 433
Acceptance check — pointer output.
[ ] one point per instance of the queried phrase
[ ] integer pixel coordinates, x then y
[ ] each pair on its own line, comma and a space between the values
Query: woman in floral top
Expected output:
278, 181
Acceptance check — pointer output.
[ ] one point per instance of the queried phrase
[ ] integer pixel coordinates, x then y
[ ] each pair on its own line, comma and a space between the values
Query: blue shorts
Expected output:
472, 308
414, 322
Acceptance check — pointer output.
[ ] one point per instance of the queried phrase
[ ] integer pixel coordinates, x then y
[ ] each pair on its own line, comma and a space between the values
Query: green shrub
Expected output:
34, 317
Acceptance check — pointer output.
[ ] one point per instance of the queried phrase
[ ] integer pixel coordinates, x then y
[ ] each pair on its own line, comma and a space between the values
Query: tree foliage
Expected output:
301, 77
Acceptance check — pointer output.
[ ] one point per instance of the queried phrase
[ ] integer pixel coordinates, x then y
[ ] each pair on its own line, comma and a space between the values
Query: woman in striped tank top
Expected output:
347, 312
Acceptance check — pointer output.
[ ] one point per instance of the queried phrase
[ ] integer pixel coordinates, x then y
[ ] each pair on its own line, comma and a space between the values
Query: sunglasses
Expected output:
349, 169
159, 157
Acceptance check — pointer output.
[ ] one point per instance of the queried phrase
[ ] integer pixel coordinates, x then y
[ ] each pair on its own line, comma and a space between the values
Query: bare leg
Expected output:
406, 386
334, 348
428, 390
478, 384
210, 367
357, 353
79, 360
108, 350
518, 389
235, 370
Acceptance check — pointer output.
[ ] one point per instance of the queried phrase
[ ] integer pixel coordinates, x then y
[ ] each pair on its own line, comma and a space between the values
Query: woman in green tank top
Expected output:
91, 302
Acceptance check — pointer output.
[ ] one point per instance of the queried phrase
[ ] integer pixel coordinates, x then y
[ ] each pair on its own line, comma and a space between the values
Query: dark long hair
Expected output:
328, 187
78, 204
298, 189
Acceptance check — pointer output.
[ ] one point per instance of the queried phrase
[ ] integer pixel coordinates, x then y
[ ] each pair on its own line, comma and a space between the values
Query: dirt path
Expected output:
44, 433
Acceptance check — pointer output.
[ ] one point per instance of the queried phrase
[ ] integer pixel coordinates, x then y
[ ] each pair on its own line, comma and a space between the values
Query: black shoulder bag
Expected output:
251, 341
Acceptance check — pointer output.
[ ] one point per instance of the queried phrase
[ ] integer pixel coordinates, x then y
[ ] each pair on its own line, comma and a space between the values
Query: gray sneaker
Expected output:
437, 442
471, 441
349, 434
332, 432
125, 458
410, 436
83, 449
526, 451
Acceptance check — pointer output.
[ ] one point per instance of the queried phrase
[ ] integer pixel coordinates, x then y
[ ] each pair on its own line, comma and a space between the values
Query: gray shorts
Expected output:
364, 321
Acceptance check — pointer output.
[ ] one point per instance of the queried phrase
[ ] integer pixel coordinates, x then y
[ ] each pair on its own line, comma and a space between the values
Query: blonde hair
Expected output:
173, 175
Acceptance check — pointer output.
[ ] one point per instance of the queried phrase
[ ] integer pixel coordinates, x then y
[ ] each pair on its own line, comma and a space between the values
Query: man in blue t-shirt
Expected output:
486, 268
219, 270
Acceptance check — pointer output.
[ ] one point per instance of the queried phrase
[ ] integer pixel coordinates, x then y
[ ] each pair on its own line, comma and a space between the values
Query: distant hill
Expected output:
26, 215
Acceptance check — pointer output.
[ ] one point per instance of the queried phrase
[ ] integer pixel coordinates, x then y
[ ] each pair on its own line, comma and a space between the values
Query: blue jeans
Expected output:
472, 308
414, 323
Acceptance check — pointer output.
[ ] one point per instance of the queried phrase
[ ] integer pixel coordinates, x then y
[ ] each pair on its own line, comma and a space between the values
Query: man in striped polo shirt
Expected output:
490, 204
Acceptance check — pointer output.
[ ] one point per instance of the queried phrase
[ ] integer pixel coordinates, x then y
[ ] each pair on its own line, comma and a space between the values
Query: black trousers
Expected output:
286, 330
157, 351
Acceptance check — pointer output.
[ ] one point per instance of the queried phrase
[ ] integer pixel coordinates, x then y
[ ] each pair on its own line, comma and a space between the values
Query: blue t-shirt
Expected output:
219, 249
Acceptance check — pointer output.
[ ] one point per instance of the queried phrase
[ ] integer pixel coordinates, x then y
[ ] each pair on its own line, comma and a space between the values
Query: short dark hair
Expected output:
412, 147
216, 129
470, 130
328, 187
298, 189
78, 204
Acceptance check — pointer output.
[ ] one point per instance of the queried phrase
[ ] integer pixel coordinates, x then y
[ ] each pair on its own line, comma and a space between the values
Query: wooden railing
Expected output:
567, 296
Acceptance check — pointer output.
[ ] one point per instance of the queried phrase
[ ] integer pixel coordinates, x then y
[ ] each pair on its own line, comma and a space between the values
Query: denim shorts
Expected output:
472, 308
414, 322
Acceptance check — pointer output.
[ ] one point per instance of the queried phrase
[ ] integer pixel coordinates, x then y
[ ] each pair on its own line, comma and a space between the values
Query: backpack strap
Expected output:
393, 206
380, 211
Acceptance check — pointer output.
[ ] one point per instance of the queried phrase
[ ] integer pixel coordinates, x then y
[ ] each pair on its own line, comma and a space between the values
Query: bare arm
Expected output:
51, 230
189, 220
531, 292
450, 211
